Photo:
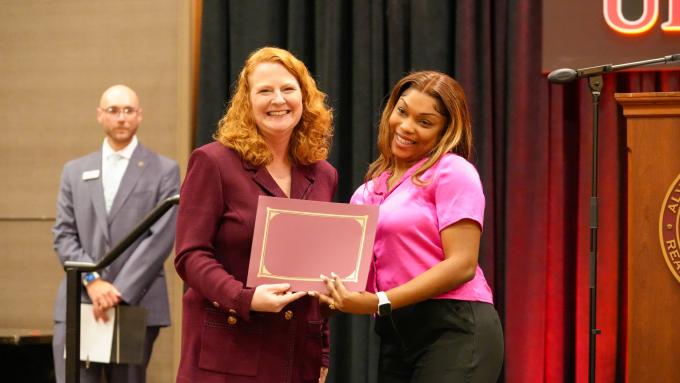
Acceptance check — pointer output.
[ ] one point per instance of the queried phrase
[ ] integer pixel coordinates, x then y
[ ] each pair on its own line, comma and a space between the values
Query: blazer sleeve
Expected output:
66, 240
146, 262
198, 222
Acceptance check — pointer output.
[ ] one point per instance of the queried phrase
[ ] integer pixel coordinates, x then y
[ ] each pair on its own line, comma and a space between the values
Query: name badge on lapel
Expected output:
90, 175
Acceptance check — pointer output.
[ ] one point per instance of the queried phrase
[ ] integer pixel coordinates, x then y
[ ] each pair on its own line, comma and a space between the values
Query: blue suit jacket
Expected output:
84, 232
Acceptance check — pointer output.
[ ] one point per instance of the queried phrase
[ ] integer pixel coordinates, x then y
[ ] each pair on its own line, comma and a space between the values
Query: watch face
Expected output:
385, 309
89, 277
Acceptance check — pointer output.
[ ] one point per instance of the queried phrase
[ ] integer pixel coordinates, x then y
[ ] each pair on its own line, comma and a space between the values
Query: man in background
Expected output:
103, 196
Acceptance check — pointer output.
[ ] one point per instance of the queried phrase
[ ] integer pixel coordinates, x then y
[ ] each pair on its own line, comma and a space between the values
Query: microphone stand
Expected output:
594, 75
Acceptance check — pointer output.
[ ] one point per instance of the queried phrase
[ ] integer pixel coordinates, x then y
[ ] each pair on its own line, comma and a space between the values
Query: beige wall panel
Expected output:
29, 274
56, 58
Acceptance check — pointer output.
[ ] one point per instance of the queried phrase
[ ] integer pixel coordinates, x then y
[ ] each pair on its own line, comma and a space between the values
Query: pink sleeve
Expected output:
458, 192
360, 195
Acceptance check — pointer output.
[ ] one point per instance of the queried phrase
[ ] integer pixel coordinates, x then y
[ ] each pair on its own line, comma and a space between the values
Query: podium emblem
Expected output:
669, 232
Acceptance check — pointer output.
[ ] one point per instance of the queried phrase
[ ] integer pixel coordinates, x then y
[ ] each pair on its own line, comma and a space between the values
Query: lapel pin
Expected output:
140, 164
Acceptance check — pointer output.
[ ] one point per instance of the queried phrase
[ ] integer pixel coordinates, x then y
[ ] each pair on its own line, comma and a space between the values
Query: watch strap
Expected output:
90, 277
384, 304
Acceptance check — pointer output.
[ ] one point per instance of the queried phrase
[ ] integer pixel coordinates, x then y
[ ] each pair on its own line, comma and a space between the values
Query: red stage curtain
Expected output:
547, 236
533, 151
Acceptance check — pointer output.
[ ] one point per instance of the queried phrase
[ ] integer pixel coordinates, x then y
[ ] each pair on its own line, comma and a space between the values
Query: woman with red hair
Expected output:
273, 140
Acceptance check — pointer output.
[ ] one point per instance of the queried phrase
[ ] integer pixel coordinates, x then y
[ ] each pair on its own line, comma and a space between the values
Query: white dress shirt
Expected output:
114, 164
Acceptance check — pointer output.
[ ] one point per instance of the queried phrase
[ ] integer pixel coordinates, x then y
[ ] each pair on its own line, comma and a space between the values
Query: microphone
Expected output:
672, 58
562, 75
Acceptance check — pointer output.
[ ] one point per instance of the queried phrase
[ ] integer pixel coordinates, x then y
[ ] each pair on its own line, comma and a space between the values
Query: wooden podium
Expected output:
653, 322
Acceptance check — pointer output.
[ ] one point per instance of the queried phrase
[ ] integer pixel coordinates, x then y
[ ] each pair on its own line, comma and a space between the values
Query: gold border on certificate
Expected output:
262, 270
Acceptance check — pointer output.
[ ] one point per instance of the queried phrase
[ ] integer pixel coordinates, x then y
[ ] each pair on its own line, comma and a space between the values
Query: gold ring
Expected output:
331, 306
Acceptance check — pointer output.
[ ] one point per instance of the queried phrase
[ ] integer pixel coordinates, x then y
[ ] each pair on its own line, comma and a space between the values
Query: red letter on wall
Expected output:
673, 23
615, 19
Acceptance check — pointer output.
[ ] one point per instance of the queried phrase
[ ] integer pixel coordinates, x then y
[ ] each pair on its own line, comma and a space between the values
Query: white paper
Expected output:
95, 337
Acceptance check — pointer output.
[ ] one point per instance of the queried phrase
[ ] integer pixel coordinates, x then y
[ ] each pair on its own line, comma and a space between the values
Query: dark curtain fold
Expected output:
533, 151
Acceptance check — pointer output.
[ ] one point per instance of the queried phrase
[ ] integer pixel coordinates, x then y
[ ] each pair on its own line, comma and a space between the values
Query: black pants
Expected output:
441, 340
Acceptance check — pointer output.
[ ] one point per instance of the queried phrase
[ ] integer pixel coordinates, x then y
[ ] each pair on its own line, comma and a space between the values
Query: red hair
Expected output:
311, 138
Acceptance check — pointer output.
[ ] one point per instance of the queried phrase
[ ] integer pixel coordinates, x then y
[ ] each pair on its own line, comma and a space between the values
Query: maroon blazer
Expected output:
222, 340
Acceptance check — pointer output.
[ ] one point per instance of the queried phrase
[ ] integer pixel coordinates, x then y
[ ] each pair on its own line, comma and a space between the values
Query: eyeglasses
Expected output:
115, 111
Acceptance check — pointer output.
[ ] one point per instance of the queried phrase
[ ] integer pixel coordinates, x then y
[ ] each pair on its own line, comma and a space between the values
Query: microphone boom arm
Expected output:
564, 75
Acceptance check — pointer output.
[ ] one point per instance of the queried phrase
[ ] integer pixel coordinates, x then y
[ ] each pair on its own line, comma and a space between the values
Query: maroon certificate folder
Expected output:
295, 241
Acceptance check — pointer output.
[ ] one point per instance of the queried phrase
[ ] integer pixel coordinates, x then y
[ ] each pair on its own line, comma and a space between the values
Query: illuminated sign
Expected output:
613, 15
586, 33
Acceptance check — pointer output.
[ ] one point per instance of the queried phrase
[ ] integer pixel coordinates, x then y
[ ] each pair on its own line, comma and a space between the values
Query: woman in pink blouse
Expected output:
435, 313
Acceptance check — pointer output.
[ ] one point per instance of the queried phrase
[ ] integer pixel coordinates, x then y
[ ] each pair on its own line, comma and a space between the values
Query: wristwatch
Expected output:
384, 304
90, 277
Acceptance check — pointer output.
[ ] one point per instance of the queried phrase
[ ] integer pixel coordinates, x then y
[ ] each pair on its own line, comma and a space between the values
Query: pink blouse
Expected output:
408, 240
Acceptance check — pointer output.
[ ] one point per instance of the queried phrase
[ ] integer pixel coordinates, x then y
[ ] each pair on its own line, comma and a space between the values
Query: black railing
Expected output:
73, 284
